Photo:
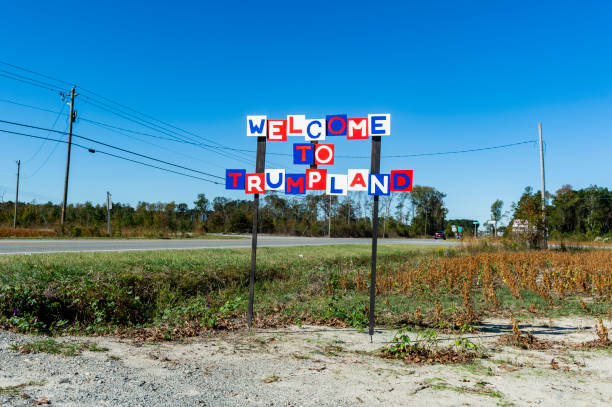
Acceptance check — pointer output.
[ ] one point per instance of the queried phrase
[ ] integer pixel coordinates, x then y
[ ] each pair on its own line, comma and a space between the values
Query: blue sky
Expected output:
453, 75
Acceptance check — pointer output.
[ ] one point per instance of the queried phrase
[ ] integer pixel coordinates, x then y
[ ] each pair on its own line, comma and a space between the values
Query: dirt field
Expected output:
309, 366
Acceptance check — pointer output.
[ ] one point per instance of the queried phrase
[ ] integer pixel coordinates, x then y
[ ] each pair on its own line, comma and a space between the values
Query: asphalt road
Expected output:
25, 246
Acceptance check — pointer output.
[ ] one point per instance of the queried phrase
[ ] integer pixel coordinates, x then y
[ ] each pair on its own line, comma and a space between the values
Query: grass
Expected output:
53, 347
205, 289
480, 388
47, 346
16, 389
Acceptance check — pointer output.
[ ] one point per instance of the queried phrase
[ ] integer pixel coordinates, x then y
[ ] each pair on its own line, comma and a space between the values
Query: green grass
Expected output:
47, 346
16, 389
480, 388
100, 292
53, 347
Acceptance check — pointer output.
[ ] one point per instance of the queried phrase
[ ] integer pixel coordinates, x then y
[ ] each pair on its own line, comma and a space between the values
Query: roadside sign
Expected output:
454, 228
460, 229
312, 154
475, 222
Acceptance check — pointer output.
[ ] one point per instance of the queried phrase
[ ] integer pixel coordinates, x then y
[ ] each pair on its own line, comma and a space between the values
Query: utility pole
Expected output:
109, 204
545, 234
71, 119
16, 195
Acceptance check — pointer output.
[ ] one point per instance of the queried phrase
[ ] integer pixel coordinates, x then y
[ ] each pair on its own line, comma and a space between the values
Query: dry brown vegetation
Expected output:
549, 274
23, 232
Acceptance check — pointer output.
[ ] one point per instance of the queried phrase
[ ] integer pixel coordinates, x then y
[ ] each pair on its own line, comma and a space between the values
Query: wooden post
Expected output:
16, 195
108, 209
260, 166
71, 119
374, 169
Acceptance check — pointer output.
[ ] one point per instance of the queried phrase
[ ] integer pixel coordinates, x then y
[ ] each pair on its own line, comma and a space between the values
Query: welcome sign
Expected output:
318, 154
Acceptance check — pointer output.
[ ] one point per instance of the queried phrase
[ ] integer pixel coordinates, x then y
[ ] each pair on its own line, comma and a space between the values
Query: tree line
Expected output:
420, 212
585, 213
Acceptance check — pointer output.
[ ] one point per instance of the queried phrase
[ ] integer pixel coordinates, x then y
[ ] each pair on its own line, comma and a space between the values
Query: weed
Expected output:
47, 346
603, 340
182, 293
16, 389
271, 379
424, 349
95, 348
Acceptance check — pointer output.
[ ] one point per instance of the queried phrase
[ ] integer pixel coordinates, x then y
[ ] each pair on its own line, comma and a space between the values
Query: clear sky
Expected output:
454, 75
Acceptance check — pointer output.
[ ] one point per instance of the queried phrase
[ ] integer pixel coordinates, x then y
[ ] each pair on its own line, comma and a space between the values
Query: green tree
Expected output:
430, 213
496, 210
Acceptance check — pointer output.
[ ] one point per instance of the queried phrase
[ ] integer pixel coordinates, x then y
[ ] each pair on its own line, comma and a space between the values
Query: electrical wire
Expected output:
30, 81
48, 134
46, 159
153, 144
182, 138
36, 73
108, 108
31, 107
157, 128
91, 150
113, 147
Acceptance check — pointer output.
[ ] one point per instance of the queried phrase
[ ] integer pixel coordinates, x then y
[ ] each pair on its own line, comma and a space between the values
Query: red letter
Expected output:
357, 129
324, 154
303, 149
255, 183
401, 180
358, 180
316, 179
277, 130
234, 176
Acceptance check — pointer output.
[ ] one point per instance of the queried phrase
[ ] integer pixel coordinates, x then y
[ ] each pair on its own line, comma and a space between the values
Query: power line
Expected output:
182, 138
114, 129
150, 143
48, 134
29, 81
31, 107
46, 160
91, 150
177, 136
36, 73
443, 152
462, 151
271, 153
139, 120
113, 147
99, 104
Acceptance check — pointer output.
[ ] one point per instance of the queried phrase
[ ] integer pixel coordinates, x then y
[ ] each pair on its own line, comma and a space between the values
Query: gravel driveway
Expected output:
307, 366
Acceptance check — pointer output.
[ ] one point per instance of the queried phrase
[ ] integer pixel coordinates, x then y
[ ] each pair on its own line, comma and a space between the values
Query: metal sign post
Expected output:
374, 169
259, 168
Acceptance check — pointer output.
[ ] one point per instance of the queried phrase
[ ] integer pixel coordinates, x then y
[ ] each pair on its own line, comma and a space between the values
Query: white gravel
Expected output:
307, 366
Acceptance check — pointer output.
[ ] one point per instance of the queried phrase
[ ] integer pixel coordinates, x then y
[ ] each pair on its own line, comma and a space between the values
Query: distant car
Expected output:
440, 235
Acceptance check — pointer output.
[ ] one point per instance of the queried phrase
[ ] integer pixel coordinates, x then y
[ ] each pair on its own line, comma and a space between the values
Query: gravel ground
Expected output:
306, 366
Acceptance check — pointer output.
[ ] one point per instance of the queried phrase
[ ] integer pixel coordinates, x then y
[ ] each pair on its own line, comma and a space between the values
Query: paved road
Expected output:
24, 246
